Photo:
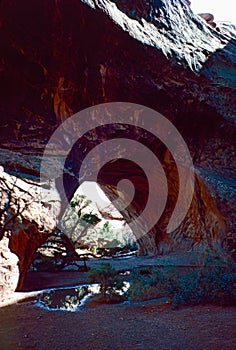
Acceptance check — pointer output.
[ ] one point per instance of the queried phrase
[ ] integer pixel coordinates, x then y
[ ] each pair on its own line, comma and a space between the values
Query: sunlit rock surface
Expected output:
24, 218
9, 272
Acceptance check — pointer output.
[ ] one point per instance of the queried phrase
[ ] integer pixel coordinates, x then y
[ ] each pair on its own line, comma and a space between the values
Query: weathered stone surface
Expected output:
58, 58
24, 218
203, 225
9, 272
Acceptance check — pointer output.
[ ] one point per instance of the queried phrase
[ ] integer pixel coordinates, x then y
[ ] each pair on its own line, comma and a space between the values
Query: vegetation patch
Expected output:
111, 285
214, 282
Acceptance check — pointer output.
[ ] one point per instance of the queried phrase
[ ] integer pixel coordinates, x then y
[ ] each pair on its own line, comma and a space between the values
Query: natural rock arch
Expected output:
155, 53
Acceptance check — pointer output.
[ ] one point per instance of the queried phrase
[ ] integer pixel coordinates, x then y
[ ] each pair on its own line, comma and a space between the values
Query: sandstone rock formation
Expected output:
9, 272
24, 218
58, 58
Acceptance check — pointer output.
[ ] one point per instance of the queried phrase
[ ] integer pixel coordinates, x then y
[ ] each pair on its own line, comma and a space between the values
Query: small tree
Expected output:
75, 223
16, 199
110, 282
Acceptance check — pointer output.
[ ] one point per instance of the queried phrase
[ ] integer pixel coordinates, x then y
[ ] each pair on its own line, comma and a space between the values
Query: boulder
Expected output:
9, 271
24, 218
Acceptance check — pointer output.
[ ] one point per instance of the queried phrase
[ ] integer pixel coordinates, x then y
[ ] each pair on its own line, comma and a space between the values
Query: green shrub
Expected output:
214, 282
111, 284
158, 283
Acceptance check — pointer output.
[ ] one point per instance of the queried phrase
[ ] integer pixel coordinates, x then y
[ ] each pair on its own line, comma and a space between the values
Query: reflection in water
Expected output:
67, 299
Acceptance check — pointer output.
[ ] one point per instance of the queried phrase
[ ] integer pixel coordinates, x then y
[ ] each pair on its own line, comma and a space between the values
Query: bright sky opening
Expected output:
221, 10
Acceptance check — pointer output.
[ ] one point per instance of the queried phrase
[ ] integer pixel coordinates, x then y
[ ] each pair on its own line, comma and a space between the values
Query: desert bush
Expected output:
156, 284
111, 284
214, 282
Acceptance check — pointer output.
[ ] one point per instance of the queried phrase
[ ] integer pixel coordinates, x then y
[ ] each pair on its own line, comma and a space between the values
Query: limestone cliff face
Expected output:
59, 57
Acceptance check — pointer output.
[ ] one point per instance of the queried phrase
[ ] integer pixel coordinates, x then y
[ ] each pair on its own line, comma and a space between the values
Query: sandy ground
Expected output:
107, 327
147, 326
39, 280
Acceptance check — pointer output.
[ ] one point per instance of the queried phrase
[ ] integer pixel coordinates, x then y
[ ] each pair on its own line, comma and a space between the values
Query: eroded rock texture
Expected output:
59, 57
24, 218
9, 272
